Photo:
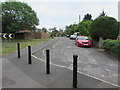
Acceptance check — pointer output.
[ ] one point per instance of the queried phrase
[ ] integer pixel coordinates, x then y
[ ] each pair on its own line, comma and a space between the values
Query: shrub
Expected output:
113, 46
84, 28
106, 27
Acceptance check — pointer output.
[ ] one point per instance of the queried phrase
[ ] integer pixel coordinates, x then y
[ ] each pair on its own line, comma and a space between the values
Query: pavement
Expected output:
17, 73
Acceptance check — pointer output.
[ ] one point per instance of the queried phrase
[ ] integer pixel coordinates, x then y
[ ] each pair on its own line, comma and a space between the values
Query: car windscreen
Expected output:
82, 38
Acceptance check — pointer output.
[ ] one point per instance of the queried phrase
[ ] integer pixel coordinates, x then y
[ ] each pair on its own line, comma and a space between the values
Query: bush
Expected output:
113, 46
84, 28
106, 27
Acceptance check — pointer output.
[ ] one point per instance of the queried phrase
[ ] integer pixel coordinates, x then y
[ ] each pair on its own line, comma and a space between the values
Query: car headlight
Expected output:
80, 42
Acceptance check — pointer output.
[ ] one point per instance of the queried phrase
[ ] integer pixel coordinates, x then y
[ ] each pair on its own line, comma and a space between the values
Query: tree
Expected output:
105, 27
102, 14
87, 17
17, 16
54, 31
71, 29
44, 29
84, 28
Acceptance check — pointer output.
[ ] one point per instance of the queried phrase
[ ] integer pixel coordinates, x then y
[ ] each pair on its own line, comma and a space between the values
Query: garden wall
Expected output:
29, 35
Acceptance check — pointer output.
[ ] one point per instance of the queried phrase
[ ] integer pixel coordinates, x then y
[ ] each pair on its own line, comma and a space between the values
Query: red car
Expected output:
83, 41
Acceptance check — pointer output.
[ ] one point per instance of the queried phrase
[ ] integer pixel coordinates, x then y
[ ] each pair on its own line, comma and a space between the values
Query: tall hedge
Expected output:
106, 27
113, 46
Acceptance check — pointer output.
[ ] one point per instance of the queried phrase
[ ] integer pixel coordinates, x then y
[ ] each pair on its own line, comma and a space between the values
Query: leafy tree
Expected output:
17, 16
105, 27
44, 29
87, 17
102, 14
119, 31
84, 28
54, 32
71, 29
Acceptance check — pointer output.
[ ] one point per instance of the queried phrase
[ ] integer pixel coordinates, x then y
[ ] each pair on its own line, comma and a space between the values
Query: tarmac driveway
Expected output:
90, 61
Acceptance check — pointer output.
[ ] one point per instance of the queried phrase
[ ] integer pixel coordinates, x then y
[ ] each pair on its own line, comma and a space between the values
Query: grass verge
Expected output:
11, 47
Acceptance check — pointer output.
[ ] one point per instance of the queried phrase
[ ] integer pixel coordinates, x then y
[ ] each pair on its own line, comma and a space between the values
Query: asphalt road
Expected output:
17, 73
90, 61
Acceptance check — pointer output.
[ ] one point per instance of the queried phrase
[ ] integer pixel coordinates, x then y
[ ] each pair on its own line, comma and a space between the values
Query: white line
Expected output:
78, 72
43, 47
50, 62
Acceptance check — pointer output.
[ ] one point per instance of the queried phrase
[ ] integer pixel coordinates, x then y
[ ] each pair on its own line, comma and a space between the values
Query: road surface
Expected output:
90, 61
17, 73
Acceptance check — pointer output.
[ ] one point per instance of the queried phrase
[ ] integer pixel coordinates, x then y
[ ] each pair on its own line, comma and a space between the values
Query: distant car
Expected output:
83, 41
68, 35
73, 36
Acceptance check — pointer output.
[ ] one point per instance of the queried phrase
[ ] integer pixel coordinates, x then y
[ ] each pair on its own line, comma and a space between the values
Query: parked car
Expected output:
68, 35
74, 36
83, 41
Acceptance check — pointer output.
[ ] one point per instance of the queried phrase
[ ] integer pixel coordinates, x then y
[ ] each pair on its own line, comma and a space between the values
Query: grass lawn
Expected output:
11, 47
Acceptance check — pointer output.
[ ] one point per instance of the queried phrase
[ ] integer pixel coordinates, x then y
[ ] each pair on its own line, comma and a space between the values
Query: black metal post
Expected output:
75, 71
29, 55
47, 61
18, 46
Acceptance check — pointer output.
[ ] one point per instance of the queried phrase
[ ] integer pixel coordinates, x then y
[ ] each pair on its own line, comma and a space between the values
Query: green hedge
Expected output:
112, 46
105, 27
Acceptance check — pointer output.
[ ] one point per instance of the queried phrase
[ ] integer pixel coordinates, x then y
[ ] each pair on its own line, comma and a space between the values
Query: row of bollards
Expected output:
18, 46
29, 53
75, 71
48, 63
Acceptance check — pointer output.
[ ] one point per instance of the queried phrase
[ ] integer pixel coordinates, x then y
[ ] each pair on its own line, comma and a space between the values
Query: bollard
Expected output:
75, 71
47, 61
18, 46
29, 55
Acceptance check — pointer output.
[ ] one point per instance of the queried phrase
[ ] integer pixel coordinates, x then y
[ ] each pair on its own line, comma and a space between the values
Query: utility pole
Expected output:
119, 11
119, 18
79, 17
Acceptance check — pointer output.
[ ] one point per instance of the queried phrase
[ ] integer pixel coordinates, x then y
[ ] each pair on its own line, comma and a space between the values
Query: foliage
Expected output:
105, 27
87, 17
112, 46
71, 29
84, 27
119, 31
102, 14
44, 29
54, 31
17, 16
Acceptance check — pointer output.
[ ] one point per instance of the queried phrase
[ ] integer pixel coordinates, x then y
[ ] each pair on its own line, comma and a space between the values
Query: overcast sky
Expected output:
59, 13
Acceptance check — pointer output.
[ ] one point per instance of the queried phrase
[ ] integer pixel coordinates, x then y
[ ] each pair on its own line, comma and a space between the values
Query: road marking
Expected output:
43, 47
56, 44
102, 75
107, 70
67, 67
50, 62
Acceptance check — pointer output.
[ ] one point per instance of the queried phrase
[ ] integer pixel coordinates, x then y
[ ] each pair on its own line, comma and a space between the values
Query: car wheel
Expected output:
89, 46
77, 44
